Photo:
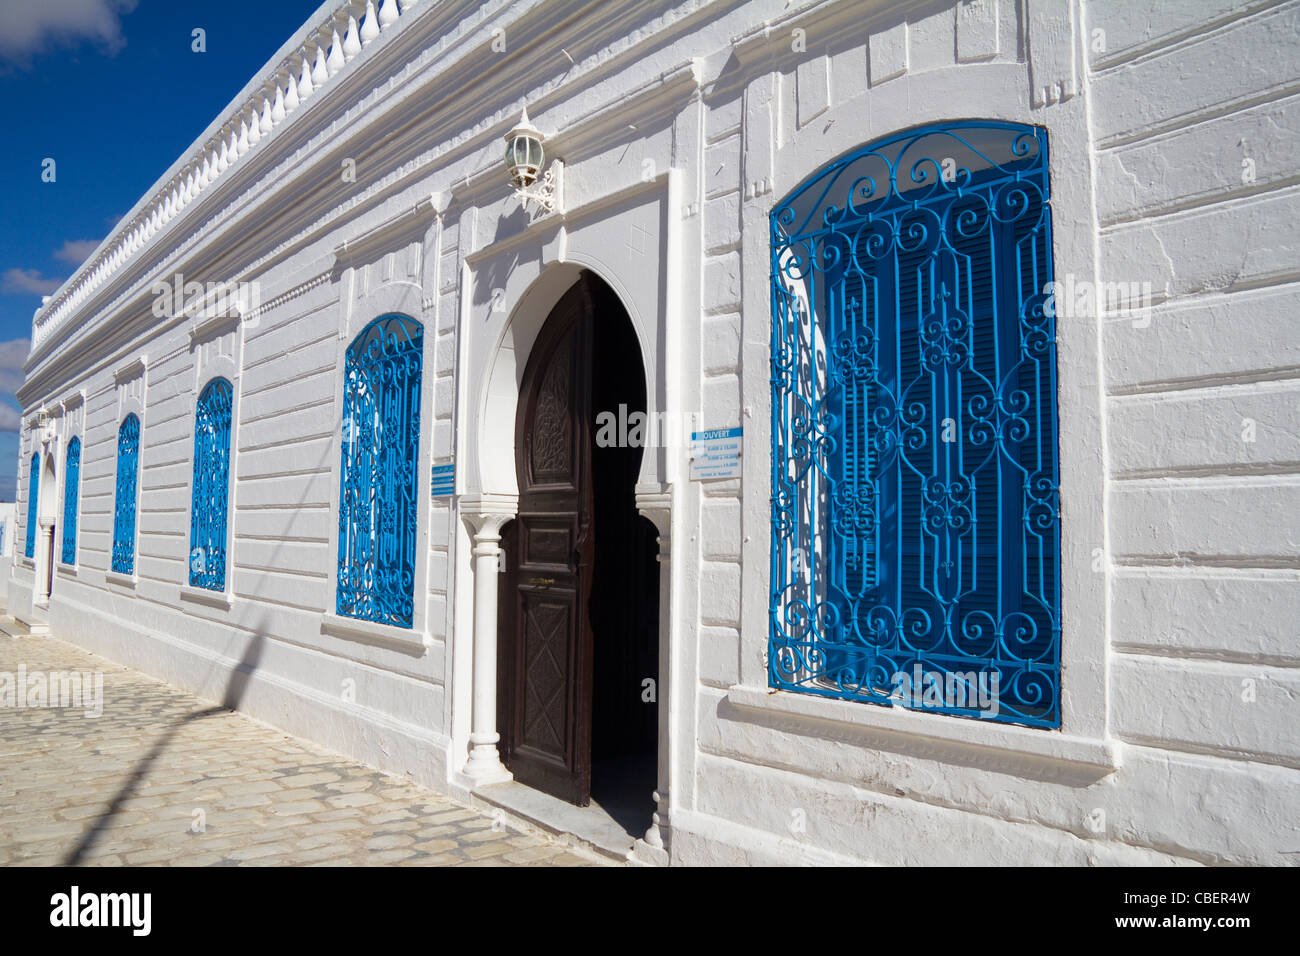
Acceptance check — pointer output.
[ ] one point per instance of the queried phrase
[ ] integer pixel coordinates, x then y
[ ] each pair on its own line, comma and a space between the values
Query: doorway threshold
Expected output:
591, 826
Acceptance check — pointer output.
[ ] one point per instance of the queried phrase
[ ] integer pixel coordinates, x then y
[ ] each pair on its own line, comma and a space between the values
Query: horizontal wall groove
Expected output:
1196, 117
1206, 383
291, 473
281, 538
288, 442
286, 572
1177, 40
241, 507
287, 410
297, 380
1233, 754
1195, 203
1257, 562
1236, 470
1200, 655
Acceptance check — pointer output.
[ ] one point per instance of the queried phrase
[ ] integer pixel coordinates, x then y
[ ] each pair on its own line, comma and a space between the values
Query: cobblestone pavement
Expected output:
164, 778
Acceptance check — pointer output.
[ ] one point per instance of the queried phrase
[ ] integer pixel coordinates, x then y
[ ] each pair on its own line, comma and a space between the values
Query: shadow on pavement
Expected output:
234, 693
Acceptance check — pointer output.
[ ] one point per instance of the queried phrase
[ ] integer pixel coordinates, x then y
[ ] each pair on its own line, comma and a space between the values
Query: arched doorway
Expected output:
45, 526
578, 612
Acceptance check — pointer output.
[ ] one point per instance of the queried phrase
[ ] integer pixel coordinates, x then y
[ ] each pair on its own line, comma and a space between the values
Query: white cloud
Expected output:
75, 251
31, 28
10, 420
28, 281
12, 355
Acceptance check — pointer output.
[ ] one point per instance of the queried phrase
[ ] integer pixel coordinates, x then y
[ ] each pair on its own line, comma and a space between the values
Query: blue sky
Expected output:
113, 92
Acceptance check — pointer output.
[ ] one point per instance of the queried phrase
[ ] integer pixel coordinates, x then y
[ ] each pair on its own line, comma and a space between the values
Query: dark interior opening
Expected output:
624, 605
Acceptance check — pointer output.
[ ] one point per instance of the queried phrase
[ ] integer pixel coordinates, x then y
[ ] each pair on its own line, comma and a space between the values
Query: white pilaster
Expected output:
485, 515
656, 506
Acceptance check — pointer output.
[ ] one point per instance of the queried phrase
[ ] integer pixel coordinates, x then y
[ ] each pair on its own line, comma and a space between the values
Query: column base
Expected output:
485, 767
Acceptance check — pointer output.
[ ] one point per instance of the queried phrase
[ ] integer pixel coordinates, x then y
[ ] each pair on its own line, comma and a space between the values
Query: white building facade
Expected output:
988, 312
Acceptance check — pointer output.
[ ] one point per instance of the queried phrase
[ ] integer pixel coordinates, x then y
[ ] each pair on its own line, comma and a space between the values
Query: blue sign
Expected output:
716, 454
443, 482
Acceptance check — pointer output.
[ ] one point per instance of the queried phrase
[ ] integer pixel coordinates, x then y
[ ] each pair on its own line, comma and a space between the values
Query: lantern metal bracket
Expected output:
547, 194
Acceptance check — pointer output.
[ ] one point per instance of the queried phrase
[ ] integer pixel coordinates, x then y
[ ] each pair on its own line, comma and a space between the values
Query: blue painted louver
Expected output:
915, 513
128, 467
71, 478
33, 492
209, 505
380, 452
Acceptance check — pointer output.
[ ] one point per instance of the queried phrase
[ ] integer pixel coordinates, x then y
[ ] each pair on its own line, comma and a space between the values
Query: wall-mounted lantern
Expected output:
45, 431
524, 160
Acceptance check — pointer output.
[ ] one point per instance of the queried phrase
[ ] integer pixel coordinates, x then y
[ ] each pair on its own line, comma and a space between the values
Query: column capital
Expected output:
485, 512
655, 503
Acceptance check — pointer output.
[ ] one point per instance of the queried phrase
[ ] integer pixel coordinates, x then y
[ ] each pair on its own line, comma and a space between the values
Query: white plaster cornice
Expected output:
409, 220
130, 370
217, 325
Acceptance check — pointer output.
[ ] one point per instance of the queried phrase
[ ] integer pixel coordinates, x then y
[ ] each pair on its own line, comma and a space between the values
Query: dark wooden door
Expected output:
546, 641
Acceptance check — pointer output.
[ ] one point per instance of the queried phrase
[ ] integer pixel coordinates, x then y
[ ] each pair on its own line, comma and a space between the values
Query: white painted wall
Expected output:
681, 126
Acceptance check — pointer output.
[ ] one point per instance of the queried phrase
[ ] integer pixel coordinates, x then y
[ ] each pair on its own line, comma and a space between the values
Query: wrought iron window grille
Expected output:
915, 513
71, 478
378, 507
33, 492
128, 468
209, 504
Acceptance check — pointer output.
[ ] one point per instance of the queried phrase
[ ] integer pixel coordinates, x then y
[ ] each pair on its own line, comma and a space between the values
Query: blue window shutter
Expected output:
71, 479
33, 492
378, 509
915, 513
210, 500
128, 467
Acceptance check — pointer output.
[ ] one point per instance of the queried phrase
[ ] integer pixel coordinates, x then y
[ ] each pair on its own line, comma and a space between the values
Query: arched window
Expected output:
33, 491
211, 486
381, 446
71, 478
128, 467
915, 523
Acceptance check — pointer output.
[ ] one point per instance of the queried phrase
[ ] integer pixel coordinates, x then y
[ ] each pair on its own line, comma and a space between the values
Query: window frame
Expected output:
131, 573
71, 502
33, 494
874, 200
336, 619
200, 460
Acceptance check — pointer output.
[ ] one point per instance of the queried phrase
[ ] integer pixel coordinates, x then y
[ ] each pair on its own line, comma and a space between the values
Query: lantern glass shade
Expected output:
524, 158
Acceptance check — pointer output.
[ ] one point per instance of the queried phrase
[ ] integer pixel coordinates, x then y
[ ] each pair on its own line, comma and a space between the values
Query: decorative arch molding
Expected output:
993, 91
492, 458
393, 296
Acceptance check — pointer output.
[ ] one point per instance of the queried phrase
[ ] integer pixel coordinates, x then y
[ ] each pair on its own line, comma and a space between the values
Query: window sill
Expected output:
67, 570
218, 599
368, 632
119, 579
972, 742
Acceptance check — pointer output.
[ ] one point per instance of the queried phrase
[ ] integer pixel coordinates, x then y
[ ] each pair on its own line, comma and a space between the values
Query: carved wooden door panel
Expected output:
545, 629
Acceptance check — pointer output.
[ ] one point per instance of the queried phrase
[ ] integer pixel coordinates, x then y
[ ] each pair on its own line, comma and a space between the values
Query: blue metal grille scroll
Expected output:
71, 477
915, 513
33, 492
381, 447
210, 501
128, 468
